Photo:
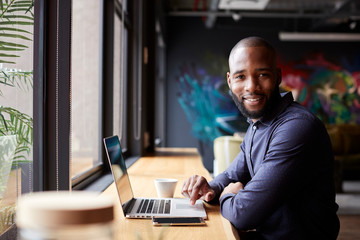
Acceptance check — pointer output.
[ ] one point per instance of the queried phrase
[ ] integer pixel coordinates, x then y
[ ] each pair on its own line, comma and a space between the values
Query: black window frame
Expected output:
52, 61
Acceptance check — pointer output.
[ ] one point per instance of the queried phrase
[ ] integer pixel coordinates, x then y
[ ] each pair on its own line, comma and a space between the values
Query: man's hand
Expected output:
232, 188
197, 187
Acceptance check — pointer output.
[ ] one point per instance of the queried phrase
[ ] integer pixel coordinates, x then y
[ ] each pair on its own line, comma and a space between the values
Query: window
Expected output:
120, 76
80, 63
16, 105
86, 87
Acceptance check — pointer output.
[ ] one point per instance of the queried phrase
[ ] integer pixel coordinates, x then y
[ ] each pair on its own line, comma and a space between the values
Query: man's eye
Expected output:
264, 75
240, 77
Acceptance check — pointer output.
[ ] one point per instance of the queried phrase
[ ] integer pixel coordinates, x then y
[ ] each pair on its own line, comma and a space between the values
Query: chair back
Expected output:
226, 148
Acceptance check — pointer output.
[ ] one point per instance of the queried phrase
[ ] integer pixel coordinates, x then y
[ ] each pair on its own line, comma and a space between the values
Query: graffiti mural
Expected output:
207, 104
331, 91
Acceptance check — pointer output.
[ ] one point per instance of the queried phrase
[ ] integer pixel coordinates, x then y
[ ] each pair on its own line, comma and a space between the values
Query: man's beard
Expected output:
274, 97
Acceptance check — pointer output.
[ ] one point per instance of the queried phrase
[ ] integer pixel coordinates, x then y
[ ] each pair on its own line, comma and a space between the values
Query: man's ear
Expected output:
278, 76
228, 78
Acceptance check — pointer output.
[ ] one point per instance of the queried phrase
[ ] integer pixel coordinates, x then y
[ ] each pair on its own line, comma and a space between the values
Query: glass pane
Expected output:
120, 86
16, 107
85, 86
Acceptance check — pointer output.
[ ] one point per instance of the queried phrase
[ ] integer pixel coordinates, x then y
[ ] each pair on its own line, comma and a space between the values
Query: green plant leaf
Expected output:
11, 49
13, 122
18, 17
17, 162
22, 79
3, 120
14, 36
12, 44
24, 9
21, 4
7, 55
26, 1
19, 158
16, 23
4, 61
14, 29
14, 16
7, 84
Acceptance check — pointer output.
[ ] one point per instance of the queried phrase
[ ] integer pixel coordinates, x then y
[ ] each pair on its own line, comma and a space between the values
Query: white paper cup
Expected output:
165, 187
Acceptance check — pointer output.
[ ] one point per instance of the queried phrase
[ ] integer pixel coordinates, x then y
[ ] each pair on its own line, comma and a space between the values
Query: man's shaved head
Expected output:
253, 42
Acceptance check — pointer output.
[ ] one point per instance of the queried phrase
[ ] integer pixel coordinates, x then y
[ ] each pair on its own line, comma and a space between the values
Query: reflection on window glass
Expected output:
85, 86
16, 106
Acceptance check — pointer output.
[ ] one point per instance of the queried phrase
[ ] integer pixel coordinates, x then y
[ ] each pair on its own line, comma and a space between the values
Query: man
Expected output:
281, 183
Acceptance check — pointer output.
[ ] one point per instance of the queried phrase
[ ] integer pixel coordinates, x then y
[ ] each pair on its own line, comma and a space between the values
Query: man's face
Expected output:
253, 80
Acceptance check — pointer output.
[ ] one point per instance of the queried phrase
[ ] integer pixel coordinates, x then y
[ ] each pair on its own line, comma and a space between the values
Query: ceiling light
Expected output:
236, 16
243, 4
306, 36
352, 25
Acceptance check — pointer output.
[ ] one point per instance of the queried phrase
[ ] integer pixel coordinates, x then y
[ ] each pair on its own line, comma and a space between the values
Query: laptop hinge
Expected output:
129, 205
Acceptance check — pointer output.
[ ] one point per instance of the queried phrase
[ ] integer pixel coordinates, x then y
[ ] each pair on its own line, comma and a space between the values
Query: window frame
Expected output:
85, 178
51, 63
94, 175
52, 133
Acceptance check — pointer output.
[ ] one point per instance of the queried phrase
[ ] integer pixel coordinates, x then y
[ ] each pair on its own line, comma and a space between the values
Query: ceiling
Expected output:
295, 15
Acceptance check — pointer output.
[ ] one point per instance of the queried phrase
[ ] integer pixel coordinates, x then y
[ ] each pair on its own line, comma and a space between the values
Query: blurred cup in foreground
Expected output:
65, 215
165, 187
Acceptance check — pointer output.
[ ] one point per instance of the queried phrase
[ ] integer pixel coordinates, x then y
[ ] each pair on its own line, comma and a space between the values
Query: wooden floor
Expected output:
350, 224
349, 227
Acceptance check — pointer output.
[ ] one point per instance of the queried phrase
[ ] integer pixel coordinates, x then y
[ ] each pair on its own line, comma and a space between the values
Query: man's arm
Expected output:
280, 173
232, 188
197, 187
236, 172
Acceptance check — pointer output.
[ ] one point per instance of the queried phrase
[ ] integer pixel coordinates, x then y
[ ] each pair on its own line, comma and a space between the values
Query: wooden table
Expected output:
177, 163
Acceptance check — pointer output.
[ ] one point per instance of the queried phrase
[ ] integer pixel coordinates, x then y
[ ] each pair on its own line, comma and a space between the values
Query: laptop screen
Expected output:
118, 169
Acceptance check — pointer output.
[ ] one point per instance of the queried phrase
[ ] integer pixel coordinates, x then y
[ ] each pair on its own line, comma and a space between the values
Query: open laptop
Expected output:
144, 207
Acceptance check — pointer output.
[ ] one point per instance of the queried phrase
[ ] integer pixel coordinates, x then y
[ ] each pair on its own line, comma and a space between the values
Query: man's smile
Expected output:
253, 99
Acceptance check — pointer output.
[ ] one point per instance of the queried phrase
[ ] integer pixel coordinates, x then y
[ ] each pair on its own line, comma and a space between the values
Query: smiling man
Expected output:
253, 78
280, 185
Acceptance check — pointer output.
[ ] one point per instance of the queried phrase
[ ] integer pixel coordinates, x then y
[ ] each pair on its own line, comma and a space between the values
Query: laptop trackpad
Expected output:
185, 206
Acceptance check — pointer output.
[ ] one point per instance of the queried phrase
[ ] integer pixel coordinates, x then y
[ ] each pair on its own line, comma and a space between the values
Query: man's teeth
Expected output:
253, 99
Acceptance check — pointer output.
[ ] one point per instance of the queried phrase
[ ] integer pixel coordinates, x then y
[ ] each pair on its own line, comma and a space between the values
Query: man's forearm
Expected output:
218, 184
235, 211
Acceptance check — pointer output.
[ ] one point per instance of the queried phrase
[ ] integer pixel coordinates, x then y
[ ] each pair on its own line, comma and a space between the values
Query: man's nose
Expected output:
252, 84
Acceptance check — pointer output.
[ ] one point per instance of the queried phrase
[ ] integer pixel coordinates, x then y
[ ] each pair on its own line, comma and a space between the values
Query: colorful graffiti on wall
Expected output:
329, 90
207, 104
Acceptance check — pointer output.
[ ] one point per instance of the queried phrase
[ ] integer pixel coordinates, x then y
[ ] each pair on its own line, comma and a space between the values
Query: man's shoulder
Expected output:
296, 116
297, 111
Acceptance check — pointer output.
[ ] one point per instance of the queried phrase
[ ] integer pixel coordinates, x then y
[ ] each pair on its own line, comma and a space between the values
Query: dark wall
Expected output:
188, 40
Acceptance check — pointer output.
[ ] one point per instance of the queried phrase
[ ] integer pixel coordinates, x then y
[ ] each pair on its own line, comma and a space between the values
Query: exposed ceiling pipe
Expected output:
338, 7
254, 14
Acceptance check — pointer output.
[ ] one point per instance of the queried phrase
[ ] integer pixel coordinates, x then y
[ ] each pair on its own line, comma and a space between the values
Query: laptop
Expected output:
144, 207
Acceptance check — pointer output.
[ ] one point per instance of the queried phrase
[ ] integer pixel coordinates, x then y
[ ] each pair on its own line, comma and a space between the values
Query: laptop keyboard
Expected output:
159, 206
